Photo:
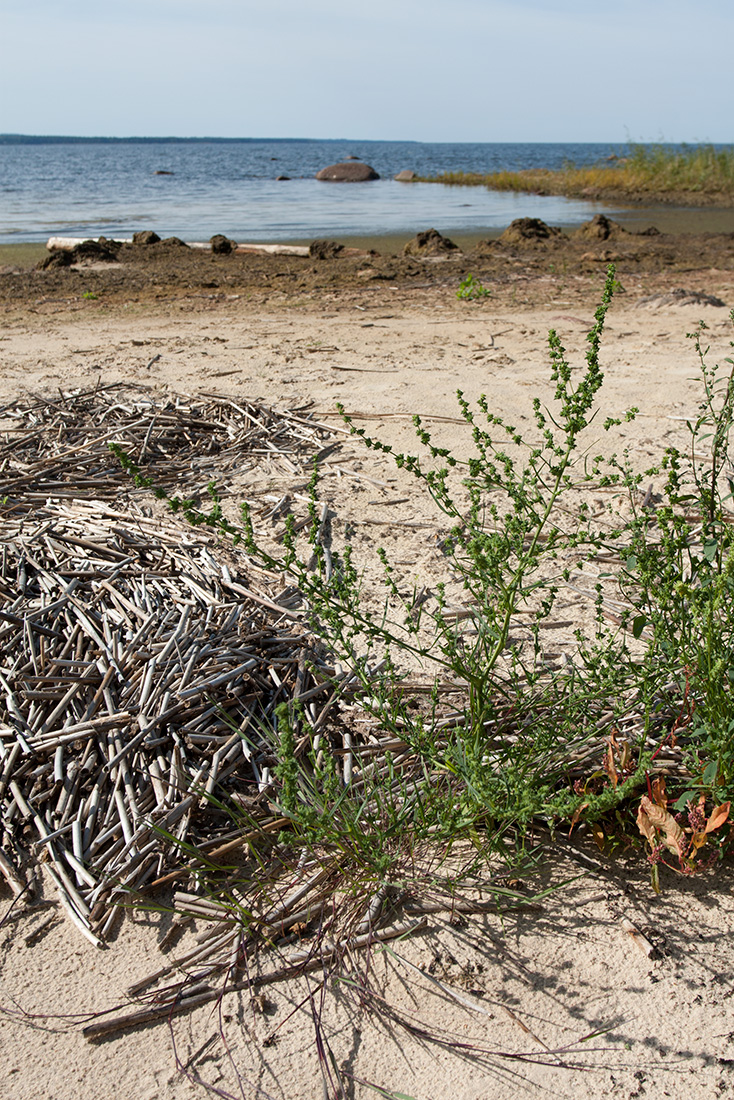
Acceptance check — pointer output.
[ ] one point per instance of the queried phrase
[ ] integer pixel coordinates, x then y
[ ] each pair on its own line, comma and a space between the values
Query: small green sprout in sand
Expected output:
471, 289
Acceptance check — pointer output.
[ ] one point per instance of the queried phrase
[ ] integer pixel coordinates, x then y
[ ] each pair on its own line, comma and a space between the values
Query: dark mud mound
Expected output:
221, 245
682, 297
324, 250
528, 231
100, 251
430, 243
600, 228
146, 236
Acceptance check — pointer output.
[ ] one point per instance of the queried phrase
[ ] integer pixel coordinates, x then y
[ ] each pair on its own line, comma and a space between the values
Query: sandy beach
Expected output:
558, 997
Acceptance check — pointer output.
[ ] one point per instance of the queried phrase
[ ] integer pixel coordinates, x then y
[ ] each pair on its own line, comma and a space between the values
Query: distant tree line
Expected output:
57, 139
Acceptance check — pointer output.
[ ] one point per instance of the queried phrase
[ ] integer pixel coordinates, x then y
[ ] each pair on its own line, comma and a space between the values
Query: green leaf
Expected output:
684, 799
709, 549
709, 772
631, 563
638, 625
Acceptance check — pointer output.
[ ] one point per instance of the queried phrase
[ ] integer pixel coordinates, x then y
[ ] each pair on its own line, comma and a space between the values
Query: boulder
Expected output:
282, 178
324, 250
406, 176
145, 236
429, 242
347, 172
222, 245
528, 230
174, 242
600, 228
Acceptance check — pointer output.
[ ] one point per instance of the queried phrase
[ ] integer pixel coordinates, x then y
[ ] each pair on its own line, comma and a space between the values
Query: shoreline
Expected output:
673, 221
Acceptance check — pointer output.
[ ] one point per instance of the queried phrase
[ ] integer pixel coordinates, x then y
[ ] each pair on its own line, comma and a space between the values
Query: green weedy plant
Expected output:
519, 522
470, 289
514, 728
508, 539
679, 572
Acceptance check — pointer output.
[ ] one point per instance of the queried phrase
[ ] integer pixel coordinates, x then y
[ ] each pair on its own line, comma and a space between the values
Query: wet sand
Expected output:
668, 219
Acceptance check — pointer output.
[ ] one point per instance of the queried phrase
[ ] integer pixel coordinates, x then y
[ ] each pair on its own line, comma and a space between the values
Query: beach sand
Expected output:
556, 1000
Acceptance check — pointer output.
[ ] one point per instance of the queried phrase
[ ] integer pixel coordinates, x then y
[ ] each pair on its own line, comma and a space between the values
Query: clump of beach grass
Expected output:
702, 172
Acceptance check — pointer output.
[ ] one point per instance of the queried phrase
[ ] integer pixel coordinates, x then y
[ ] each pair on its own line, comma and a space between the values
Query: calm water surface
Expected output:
88, 190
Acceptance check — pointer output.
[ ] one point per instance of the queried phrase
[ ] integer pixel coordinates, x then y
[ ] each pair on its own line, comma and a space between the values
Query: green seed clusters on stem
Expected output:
519, 745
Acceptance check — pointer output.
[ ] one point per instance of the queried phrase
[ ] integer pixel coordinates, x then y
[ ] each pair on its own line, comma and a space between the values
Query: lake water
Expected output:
111, 189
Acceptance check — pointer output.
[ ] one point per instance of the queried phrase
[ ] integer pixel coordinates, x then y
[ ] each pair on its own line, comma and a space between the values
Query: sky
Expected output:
436, 70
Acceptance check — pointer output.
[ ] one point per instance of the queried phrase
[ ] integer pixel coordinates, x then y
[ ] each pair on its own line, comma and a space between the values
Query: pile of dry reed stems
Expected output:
139, 671
60, 448
141, 665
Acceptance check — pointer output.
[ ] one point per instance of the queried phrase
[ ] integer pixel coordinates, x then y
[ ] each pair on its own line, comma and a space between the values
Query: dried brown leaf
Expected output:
577, 815
609, 765
658, 792
645, 826
719, 815
660, 819
625, 756
698, 840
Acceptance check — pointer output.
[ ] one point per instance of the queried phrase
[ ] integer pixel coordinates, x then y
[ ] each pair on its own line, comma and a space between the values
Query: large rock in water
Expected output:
347, 172
527, 230
429, 242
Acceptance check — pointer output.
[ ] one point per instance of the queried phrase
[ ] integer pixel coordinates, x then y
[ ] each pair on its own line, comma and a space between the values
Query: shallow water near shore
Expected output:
193, 190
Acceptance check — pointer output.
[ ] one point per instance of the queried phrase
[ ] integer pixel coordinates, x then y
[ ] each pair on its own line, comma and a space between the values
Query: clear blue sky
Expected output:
440, 70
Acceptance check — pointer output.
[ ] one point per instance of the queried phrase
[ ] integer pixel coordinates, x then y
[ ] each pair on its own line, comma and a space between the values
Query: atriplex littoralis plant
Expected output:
679, 572
519, 523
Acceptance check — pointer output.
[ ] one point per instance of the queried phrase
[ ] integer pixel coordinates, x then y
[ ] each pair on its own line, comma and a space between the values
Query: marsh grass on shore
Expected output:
655, 171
